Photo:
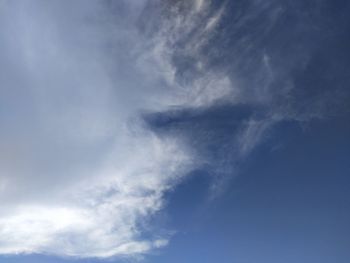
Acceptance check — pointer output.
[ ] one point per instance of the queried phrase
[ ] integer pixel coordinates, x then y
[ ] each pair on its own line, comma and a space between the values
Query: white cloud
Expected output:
99, 213
199, 4
251, 134
80, 174
193, 28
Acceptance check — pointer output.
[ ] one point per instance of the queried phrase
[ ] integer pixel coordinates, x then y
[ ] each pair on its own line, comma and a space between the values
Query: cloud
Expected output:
80, 174
82, 169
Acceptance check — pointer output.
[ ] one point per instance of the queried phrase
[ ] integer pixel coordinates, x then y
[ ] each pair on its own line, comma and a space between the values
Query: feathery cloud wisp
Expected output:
81, 172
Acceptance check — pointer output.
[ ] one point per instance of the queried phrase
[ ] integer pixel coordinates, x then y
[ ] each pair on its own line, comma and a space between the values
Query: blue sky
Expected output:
174, 131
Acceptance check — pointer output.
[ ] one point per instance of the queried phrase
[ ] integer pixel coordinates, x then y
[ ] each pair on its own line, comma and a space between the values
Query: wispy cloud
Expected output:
81, 171
80, 174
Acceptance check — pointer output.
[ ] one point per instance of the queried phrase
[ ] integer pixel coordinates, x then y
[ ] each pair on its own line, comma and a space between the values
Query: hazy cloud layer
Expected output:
80, 172
106, 105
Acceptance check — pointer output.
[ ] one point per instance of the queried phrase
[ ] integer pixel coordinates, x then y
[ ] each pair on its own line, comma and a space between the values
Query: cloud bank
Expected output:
107, 105
81, 174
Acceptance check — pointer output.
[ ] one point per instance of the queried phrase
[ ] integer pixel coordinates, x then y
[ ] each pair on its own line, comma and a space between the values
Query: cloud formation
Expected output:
80, 174
107, 105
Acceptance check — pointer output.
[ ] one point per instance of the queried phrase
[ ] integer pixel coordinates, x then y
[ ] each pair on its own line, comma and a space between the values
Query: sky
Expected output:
174, 131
